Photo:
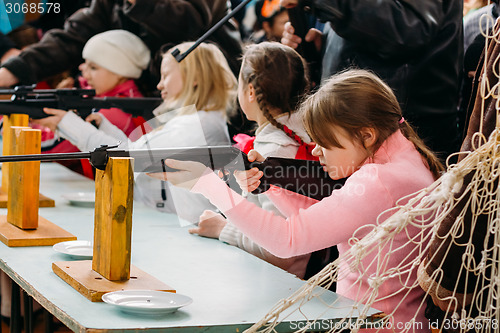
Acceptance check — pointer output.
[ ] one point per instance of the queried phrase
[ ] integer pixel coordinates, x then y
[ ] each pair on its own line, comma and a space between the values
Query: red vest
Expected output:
245, 144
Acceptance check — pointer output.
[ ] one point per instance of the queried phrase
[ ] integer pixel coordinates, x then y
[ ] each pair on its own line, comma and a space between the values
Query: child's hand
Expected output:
249, 179
186, 178
210, 225
253, 155
94, 117
51, 122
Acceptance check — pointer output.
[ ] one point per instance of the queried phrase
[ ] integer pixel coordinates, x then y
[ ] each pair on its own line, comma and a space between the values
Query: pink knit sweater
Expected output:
395, 171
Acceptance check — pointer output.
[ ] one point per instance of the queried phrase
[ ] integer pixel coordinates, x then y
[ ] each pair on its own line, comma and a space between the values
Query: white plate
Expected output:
78, 249
146, 302
82, 199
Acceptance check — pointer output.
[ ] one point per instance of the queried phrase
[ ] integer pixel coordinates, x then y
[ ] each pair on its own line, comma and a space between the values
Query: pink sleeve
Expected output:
288, 202
330, 221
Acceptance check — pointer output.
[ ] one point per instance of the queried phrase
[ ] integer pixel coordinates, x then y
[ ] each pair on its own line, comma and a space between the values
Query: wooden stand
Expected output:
92, 285
21, 225
15, 120
9, 121
43, 201
110, 269
46, 234
114, 192
24, 179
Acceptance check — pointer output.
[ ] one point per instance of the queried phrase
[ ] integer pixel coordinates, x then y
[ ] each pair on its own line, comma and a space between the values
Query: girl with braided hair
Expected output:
273, 79
357, 124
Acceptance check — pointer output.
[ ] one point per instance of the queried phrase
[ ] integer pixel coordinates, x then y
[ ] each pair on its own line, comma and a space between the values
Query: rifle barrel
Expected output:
180, 56
45, 157
301, 176
146, 160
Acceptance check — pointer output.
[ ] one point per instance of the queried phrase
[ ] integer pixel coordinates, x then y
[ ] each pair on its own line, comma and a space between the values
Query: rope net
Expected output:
440, 244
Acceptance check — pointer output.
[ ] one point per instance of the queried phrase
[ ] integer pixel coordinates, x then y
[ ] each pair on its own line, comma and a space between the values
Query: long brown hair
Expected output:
279, 75
356, 99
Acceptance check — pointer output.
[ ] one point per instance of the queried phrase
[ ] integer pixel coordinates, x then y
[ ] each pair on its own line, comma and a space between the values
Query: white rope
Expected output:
473, 301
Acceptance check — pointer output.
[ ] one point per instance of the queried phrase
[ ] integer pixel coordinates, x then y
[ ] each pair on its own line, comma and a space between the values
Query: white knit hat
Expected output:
118, 51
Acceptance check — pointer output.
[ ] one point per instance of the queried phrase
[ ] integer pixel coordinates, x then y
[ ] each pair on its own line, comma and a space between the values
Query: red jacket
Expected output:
119, 118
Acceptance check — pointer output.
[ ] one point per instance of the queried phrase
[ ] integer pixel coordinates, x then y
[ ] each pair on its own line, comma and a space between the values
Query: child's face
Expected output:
171, 81
274, 30
100, 78
243, 98
342, 162
248, 102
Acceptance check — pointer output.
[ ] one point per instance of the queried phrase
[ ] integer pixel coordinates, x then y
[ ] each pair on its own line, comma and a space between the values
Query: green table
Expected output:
231, 289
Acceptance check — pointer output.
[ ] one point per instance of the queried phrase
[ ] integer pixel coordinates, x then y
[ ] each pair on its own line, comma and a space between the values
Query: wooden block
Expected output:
8, 121
24, 179
92, 285
46, 234
43, 201
113, 219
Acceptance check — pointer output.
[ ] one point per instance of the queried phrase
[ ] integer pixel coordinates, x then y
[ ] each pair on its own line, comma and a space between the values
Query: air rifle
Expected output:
176, 53
301, 176
31, 101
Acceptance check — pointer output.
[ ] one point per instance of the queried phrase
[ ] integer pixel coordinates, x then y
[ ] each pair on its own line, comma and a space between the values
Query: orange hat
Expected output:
270, 8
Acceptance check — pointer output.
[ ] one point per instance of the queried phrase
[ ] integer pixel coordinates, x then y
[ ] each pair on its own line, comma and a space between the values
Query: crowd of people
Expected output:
387, 112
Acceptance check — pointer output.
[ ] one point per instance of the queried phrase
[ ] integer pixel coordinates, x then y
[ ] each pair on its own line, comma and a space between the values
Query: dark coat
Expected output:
156, 22
415, 46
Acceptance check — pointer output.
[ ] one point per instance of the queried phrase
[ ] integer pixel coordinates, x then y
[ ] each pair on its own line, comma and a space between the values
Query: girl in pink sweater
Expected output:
360, 133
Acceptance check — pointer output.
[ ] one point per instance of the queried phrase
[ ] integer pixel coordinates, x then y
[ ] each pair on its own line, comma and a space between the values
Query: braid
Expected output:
263, 106
263, 66
275, 123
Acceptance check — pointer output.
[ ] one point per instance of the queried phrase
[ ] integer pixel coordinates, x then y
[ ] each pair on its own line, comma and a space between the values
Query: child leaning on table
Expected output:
357, 124
113, 60
273, 79
203, 82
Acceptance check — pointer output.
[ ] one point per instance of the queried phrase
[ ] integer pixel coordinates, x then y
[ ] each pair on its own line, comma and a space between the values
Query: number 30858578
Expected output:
32, 8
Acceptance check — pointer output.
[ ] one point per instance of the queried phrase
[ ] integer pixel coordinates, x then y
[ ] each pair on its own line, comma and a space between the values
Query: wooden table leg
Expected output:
28, 313
49, 321
15, 309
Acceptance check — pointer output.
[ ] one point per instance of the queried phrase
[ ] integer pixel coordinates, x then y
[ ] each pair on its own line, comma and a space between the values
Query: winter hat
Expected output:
119, 51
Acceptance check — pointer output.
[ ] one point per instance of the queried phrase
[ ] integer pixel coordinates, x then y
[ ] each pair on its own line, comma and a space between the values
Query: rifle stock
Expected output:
300, 176
30, 101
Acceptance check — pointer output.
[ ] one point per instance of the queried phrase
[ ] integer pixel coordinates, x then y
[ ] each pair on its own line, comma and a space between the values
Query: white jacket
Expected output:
271, 141
196, 129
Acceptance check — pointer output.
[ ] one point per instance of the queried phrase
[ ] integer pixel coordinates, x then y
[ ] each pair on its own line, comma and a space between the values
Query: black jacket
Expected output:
415, 46
156, 22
